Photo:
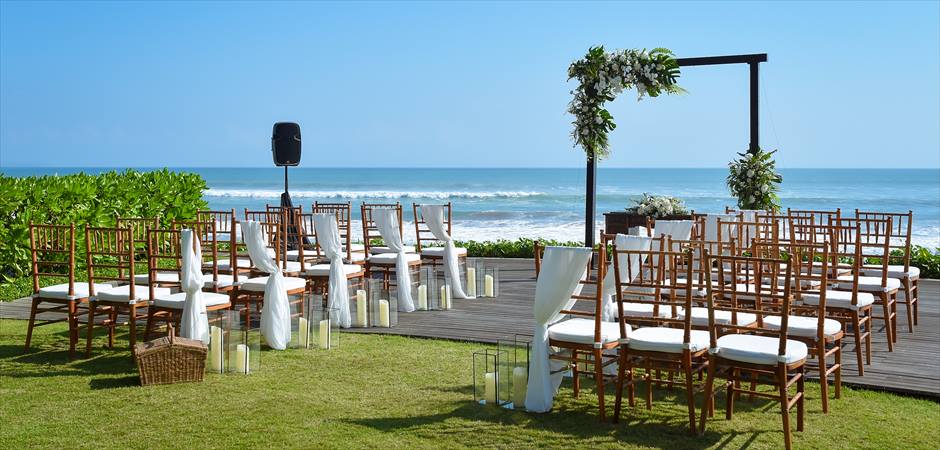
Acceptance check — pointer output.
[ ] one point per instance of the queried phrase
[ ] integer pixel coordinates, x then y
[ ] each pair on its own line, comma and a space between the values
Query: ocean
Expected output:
549, 203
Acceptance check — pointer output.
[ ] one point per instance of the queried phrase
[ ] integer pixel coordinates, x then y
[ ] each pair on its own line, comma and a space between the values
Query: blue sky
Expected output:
458, 84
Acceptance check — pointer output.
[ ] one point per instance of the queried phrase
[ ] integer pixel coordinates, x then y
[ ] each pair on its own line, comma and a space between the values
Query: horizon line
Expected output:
445, 167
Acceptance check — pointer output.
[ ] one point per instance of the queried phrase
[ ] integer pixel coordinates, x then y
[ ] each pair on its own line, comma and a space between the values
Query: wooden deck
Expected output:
913, 368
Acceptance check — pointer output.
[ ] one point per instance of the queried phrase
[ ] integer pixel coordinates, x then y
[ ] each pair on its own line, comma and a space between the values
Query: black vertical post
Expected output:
590, 201
755, 142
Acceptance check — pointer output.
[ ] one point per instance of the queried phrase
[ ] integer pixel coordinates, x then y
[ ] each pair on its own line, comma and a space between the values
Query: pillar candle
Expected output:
443, 296
241, 358
471, 281
422, 297
520, 381
488, 286
361, 311
303, 332
383, 314
450, 298
215, 349
324, 334
489, 390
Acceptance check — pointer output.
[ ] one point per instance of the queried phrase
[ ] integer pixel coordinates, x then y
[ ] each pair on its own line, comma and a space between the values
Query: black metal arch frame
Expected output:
752, 60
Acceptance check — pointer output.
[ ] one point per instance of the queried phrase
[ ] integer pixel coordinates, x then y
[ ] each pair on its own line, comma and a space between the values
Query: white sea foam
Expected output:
437, 195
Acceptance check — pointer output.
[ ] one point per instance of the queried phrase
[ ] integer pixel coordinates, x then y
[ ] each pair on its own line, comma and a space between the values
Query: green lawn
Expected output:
381, 392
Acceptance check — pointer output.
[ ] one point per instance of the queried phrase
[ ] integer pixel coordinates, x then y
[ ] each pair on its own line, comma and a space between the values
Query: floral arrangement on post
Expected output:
657, 206
753, 180
602, 76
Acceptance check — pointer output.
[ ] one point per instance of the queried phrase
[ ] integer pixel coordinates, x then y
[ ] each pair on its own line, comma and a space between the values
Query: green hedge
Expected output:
504, 248
88, 200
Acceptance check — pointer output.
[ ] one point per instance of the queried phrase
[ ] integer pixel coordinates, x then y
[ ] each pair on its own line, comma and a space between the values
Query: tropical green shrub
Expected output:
86, 199
504, 248
753, 180
927, 261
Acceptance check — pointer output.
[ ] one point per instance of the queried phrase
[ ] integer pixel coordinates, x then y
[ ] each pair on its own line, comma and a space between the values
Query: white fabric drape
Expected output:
623, 242
562, 269
434, 218
275, 316
711, 226
386, 220
328, 238
194, 324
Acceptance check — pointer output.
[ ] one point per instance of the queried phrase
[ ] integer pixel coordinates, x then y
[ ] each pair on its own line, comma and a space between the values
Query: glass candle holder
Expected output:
322, 327
359, 306
518, 350
242, 344
491, 377
300, 319
488, 284
474, 268
219, 327
383, 305
427, 297
445, 300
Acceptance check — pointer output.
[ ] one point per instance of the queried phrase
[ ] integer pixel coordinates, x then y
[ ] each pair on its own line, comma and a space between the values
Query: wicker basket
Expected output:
170, 360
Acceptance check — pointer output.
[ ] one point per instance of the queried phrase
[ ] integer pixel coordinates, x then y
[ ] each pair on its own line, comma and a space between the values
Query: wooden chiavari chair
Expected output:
355, 252
672, 345
764, 352
808, 322
318, 272
726, 309
110, 256
52, 249
899, 250
588, 338
379, 259
164, 255
212, 248
138, 227
873, 242
433, 255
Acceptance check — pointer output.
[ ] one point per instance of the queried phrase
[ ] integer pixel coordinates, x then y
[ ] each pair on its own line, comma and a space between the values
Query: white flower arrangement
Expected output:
602, 76
657, 206
753, 180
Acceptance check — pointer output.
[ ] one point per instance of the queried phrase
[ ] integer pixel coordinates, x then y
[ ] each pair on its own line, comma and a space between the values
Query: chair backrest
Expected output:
164, 255
209, 243
873, 242
236, 253
309, 247
52, 249
763, 283
744, 233
343, 211
110, 256
899, 233
807, 277
422, 232
138, 227
262, 216
818, 216
370, 231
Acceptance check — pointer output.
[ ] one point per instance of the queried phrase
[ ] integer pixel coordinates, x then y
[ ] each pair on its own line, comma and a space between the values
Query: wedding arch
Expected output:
603, 75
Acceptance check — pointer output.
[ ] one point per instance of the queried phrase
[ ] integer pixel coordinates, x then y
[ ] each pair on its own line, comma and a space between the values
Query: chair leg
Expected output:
89, 335
32, 322
800, 404
112, 325
709, 397
894, 316
916, 297
729, 397
689, 389
784, 404
618, 398
132, 323
148, 328
908, 299
599, 381
73, 327
857, 329
886, 308
868, 326
575, 377
823, 377
838, 373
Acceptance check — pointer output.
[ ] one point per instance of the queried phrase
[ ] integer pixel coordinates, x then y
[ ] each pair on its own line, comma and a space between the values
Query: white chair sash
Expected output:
623, 242
434, 218
275, 316
386, 220
194, 324
328, 237
562, 269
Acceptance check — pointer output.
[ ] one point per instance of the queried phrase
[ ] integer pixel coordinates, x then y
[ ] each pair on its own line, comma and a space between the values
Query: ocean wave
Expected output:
437, 195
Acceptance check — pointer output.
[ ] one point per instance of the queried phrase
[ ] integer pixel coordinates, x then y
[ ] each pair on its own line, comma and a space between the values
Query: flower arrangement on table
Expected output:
602, 76
754, 181
657, 206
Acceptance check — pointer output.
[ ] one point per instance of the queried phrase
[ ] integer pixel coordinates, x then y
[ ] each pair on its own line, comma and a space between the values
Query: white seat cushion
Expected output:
667, 340
294, 255
748, 348
384, 249
223, 264
869, 284
122, 293
581, 331
390, 258
439, 251
894, 271
162, 277
641, 310
222, 281
356, 247
176, 301
291, 266
357, 256
803, 326
840, 299
722, 317
257, 284
323, 270
61, 291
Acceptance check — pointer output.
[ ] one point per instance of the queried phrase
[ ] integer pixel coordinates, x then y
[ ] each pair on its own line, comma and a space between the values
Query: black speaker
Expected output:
285, 144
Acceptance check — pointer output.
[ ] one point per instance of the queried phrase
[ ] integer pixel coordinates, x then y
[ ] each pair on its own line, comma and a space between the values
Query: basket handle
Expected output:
172, 335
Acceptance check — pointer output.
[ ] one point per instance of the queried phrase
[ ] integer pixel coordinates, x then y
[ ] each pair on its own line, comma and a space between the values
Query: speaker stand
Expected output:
292, 242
